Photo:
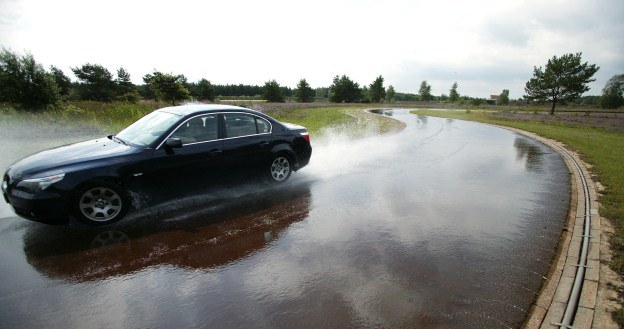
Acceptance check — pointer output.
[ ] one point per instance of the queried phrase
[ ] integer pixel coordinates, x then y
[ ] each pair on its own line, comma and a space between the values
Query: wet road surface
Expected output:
445, 224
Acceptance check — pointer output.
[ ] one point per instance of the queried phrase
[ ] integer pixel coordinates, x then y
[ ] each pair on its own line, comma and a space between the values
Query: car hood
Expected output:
55, 159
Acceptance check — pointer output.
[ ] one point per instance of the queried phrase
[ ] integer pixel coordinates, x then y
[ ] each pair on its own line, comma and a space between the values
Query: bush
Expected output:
130, 97
477, 101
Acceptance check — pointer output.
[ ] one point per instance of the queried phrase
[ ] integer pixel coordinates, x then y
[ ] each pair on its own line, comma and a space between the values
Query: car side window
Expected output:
199, 129
238, 124
263, 126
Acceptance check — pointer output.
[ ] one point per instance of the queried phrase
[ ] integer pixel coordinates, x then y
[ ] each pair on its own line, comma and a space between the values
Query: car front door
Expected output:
194, 163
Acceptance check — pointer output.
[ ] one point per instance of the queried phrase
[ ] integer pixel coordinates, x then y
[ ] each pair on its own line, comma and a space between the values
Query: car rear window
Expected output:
239, 124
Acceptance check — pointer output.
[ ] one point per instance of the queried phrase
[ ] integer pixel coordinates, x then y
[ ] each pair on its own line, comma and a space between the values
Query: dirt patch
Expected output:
610, 121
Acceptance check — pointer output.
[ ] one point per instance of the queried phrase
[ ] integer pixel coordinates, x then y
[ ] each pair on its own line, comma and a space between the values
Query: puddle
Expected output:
445, 224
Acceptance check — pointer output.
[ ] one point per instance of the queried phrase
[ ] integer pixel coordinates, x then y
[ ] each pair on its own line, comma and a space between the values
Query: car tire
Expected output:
280, 169
100, 203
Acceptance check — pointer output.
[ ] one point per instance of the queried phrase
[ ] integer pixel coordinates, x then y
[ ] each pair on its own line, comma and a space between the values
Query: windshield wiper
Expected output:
115, 138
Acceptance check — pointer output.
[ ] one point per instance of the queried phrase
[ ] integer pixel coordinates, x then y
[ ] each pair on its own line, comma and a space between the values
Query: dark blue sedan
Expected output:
91, 180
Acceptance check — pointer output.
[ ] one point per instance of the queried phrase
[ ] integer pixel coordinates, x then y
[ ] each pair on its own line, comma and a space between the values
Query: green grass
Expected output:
353, 122
315, 119
601, 148
108, 117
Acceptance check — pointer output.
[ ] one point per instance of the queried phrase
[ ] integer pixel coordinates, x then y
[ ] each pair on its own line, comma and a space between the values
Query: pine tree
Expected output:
453, 94
304, 93
273, 92
563, 79
377, 92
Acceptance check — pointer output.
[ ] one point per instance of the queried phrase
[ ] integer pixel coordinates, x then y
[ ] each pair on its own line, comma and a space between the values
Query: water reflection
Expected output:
207, 239
530, 153
108, 238
386, 112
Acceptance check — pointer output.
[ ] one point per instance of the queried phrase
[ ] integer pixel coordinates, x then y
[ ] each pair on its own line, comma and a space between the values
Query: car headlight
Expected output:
39, 184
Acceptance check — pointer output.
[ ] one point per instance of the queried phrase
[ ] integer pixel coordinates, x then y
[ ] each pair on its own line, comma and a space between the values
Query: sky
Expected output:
486, 46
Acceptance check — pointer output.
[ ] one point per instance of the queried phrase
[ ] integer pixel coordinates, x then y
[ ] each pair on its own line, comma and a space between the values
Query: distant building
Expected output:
492, 100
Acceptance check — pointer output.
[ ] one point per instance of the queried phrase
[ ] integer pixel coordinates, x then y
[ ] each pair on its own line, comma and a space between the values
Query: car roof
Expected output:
185, 110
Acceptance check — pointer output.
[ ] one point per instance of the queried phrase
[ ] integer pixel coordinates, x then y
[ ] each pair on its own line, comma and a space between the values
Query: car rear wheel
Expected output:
100, 203
280, 169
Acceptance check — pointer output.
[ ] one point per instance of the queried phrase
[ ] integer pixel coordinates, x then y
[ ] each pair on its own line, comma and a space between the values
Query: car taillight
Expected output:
306, 136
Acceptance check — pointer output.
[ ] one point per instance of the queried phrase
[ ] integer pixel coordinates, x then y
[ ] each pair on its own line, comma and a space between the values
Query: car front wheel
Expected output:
100, 203
280, 169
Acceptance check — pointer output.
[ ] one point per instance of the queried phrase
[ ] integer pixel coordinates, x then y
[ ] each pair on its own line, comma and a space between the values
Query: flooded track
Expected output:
445, 224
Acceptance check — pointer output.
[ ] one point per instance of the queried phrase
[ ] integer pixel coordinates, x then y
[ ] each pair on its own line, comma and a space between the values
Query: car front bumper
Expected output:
49, 208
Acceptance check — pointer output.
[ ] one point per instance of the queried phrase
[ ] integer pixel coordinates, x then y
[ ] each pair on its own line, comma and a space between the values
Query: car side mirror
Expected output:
173, 143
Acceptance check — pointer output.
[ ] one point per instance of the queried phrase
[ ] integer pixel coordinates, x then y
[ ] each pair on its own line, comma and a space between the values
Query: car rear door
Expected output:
247, 140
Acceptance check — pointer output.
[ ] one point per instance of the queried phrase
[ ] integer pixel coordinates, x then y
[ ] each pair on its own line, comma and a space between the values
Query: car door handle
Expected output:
264, 144
215, 152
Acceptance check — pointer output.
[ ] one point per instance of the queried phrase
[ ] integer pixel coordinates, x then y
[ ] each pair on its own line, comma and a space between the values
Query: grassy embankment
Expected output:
599, 147
112, 117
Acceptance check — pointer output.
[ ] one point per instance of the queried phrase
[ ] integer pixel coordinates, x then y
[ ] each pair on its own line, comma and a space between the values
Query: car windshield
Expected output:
147, 129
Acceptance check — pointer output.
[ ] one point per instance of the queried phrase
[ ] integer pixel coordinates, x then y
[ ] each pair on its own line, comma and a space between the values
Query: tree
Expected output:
25, 84
390, 94
612, 93
286, 91
304, 93
126, 90
425, 91
344, 90
503, 98
168, 87
364, 95
453, 94
205, 90
322, 92
377, 92
123, 79
145, 91
238, 90
273, 92
406, 97
62, 81
96, 83
563, 79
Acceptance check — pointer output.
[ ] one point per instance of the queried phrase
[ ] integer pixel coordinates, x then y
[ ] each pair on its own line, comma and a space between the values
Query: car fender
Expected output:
118, 170
282, 148
286, 149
